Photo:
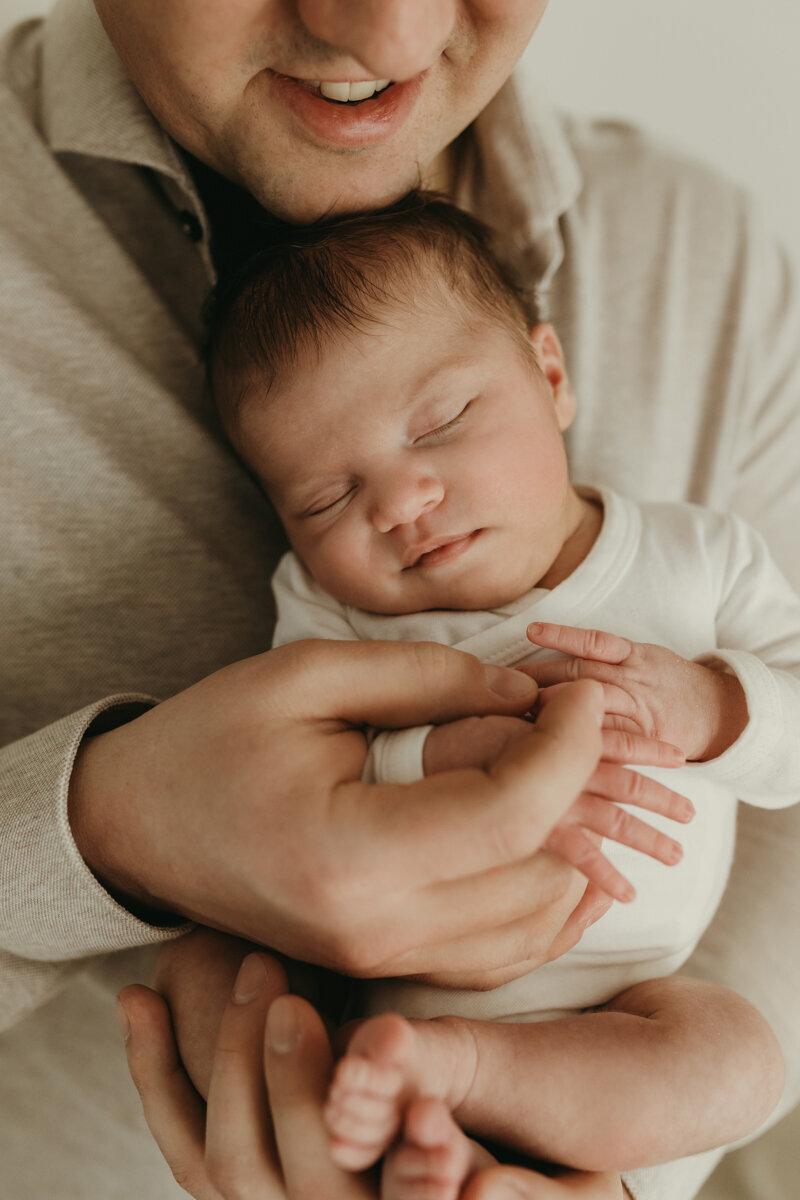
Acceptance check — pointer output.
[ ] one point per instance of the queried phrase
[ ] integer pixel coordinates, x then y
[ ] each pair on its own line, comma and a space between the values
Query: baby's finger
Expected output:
582, 643
629, 787
622, 745
572, 844
555, 671
612, 822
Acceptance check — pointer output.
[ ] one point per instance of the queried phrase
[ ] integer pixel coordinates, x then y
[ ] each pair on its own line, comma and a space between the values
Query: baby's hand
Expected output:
477, 741
649, 690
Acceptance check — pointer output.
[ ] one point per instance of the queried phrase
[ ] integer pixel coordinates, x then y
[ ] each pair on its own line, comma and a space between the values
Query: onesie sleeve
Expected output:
758, 632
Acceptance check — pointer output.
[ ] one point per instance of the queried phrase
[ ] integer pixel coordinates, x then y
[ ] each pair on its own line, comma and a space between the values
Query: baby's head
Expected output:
403, 409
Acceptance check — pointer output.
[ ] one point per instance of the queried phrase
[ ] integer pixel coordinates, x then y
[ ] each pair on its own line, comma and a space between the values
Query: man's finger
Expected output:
461, 823
593, 904
174, 1112
393, 684
240, 1149
297, 1062
501, 930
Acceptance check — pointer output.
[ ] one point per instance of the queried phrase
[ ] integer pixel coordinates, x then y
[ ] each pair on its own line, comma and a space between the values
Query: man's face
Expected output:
237, 83
420, 464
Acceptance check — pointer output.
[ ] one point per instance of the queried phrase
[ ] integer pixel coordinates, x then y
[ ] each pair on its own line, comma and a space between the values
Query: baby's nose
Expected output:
402, 500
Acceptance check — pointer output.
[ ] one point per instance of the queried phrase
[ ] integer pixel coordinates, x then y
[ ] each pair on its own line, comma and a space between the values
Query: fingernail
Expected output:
534, 629
511, 685
124, 1023
282, 1028
251, 980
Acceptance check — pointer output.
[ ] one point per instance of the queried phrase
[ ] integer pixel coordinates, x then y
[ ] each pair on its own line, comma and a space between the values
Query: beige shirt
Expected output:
137, 553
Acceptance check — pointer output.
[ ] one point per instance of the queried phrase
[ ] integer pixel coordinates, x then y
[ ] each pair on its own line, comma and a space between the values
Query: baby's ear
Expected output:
550, 357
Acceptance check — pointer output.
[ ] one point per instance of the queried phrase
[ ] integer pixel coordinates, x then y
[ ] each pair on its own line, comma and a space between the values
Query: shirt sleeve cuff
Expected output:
52, 908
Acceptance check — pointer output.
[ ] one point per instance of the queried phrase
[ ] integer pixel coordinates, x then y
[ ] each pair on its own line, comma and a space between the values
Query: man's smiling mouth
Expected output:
346, 91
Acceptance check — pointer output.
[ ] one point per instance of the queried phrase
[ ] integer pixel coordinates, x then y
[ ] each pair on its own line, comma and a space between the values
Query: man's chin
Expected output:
317, 197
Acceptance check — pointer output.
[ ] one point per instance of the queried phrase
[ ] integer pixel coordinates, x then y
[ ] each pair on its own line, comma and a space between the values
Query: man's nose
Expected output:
405, 497
392, 39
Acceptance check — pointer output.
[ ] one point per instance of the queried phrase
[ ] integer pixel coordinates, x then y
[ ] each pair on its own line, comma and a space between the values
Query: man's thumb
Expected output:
397, 684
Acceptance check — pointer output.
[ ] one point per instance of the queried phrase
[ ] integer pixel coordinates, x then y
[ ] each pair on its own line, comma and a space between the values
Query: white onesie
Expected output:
698, 582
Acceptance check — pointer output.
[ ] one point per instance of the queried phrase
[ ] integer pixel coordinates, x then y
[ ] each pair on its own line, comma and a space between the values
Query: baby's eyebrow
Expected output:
454, 366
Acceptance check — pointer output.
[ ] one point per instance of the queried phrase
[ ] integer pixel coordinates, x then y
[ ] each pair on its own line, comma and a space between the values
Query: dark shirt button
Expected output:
191, 226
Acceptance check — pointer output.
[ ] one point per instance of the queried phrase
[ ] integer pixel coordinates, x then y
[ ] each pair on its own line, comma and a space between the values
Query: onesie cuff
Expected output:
741, 767
679, 1180
395, 756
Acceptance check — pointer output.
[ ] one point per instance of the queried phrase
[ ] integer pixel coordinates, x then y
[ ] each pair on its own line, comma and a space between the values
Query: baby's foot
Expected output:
370, 1089
433, 1158
390, 1061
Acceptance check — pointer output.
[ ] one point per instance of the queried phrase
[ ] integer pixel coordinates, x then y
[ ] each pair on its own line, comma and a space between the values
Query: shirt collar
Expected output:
89, 106
521, 174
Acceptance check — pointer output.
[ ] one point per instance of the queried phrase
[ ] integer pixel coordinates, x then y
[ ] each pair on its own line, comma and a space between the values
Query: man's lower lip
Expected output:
446, 553
361, 124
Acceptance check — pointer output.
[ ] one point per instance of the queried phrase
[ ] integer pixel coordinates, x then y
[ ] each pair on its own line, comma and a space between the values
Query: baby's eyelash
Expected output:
323, 508
441, 429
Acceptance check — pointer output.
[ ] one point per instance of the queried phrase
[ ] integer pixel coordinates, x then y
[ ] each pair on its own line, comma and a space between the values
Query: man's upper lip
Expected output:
414, 553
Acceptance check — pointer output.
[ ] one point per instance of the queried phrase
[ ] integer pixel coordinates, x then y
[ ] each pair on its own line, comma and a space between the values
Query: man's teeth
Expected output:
347, 91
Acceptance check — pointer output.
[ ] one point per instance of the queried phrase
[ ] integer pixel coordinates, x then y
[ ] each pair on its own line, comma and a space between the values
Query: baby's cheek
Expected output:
346, 566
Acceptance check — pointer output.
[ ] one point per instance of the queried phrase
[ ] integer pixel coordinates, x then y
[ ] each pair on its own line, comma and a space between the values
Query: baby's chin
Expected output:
444, 599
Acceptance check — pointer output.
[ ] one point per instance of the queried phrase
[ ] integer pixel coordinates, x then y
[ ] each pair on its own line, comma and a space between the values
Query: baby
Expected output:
403, 408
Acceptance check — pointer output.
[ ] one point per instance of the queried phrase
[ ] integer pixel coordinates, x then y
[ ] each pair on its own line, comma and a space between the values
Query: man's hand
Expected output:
477, 741
648, 690
238, 803
235, 1146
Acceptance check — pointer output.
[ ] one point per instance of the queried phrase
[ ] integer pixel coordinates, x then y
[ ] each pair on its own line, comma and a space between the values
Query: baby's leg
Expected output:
389, 1062
432, 1158
670, 1067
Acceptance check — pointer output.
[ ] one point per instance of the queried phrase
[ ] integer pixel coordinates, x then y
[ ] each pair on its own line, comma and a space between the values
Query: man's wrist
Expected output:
98, 838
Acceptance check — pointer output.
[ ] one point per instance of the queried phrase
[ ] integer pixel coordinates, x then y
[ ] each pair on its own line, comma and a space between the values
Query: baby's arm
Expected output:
735, 710
669, 1068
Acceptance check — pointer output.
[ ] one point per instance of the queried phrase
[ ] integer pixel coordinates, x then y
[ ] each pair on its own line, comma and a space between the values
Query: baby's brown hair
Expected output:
307, 284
